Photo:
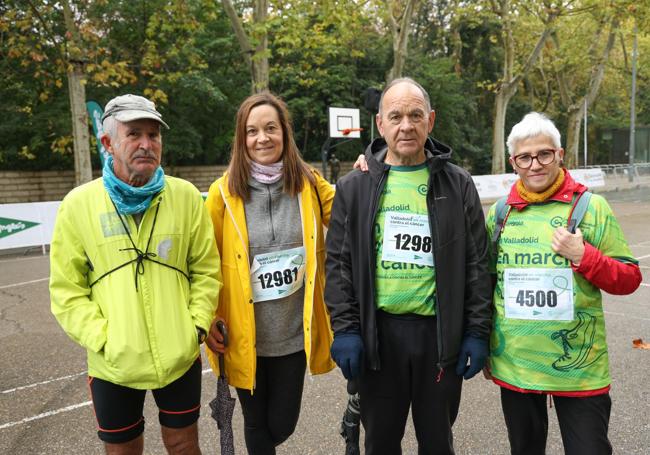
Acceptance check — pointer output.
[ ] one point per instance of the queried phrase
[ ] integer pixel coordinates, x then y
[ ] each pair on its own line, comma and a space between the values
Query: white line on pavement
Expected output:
627, 315
70, 376
23, 283
29, 386
23, 259
643, 257
45, 414
56, 411
646, 285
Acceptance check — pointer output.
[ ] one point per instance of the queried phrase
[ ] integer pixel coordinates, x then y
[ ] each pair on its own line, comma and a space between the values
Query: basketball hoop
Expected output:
347, 131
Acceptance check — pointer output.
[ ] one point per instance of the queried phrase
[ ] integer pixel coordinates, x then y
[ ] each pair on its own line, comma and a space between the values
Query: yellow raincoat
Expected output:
236, 299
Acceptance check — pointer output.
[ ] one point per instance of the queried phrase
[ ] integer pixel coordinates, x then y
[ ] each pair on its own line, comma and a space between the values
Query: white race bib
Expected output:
277, 274
538, 294
407, 238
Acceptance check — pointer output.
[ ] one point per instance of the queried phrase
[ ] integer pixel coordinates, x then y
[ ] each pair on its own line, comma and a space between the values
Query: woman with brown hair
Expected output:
268, 212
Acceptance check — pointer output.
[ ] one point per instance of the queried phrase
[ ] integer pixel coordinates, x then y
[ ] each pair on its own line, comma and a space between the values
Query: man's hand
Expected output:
567, 245
215, 338
487, 370
476, 351
346, 351
361, 163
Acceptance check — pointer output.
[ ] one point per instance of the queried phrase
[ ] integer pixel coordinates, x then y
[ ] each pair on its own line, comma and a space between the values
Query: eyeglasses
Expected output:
543, 157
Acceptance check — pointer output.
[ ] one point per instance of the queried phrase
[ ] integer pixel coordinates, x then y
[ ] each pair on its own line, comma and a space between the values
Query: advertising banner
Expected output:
95, 113
24, 225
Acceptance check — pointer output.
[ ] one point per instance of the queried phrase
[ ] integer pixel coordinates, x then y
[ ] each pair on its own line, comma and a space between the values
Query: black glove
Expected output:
474, 349
346, 351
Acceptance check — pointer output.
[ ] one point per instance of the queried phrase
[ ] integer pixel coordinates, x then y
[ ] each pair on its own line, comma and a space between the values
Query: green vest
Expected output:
405, 273
530, 349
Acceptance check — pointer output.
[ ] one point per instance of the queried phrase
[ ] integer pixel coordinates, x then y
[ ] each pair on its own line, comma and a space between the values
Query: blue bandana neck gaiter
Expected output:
130, 199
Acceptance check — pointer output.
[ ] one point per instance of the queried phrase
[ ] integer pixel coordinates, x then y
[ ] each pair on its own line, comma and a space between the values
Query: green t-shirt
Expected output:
405, 274
549, 330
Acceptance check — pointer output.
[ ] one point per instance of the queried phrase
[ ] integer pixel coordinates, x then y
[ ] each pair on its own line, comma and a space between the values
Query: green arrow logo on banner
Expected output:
415, 256
535, 313
9, 226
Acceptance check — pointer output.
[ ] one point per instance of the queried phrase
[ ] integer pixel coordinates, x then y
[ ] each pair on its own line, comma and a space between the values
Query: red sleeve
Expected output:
608, 274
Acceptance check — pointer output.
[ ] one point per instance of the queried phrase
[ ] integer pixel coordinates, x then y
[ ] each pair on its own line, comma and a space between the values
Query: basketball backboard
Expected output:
342, 119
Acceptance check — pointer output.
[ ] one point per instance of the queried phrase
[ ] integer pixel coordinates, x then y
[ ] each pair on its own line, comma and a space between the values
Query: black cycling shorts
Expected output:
118, 409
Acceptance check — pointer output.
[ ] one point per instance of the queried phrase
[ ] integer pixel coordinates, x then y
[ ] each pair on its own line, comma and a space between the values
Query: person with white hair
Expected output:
554, 248
135, 276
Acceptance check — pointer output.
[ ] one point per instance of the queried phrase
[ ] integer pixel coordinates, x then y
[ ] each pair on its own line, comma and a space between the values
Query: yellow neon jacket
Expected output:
236, 299
145, 338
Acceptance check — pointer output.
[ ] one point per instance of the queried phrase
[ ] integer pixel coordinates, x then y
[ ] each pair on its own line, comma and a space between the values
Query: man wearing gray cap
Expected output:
135, 276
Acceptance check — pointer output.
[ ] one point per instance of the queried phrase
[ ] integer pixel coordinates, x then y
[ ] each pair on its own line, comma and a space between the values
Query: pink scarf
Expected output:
266, 174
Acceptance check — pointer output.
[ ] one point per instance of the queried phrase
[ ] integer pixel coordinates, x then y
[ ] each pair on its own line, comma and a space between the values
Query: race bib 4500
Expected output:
541, 294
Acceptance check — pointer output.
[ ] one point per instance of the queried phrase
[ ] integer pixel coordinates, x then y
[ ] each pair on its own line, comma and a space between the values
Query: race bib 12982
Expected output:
407, 238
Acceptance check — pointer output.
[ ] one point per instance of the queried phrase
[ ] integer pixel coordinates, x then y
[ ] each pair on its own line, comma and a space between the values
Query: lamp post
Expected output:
630, 171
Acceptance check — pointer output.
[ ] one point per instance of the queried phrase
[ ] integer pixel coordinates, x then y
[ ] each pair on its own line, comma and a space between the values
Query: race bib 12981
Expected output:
277, 274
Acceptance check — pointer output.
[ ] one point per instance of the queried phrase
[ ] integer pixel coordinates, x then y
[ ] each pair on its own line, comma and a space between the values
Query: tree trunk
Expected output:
260, 59
510, 83
77, 96
501, 101
577, 111
256, 60
401, 29
574, 121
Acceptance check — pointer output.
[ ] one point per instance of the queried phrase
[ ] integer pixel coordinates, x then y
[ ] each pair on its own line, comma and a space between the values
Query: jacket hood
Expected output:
437, 153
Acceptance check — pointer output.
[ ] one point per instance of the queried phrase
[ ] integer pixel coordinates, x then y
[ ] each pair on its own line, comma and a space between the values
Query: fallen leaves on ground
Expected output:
640, 344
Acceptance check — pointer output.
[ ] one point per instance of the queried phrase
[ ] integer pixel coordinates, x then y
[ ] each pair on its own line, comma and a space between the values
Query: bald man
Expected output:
407, 286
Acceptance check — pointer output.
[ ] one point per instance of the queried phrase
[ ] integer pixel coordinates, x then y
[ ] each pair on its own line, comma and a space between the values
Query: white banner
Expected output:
29, 224
495, 186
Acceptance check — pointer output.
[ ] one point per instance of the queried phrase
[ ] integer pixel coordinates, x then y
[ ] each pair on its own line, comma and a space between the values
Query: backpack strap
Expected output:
580, 206
500, 212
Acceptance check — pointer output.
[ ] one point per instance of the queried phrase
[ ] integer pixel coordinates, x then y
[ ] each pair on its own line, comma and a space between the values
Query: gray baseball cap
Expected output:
126, 108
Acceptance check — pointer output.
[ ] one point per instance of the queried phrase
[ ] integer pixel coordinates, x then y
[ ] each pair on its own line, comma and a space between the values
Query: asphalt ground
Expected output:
45, 407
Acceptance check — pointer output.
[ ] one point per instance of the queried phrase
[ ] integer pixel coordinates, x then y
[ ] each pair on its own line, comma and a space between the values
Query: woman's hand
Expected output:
361, 163
215, 340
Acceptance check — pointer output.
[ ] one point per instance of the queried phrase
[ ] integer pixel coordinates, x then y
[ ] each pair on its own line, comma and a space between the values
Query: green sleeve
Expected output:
204, 267
600, 228
78, 315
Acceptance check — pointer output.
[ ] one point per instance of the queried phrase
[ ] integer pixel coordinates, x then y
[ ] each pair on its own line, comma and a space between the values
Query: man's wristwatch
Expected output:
201, 335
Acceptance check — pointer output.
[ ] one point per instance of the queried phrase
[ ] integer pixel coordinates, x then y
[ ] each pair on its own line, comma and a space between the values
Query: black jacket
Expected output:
463, 288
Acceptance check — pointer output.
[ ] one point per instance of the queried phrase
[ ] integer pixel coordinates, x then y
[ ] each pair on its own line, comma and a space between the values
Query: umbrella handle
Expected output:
353, 386
221, 327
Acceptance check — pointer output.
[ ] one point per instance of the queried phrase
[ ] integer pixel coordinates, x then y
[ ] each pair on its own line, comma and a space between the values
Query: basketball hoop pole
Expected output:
343, 126
327, 146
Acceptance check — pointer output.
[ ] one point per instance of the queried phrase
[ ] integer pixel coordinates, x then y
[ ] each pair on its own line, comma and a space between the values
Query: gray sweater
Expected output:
273, 222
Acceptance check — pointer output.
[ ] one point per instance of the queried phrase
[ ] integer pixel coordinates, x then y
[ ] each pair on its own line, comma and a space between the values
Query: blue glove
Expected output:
346, 351
474, 349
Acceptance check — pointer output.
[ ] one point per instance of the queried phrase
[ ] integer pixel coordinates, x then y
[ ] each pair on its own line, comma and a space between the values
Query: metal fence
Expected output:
621, 170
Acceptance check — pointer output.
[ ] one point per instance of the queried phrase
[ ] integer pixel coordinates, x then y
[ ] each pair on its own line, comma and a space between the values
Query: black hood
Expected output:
438, 154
